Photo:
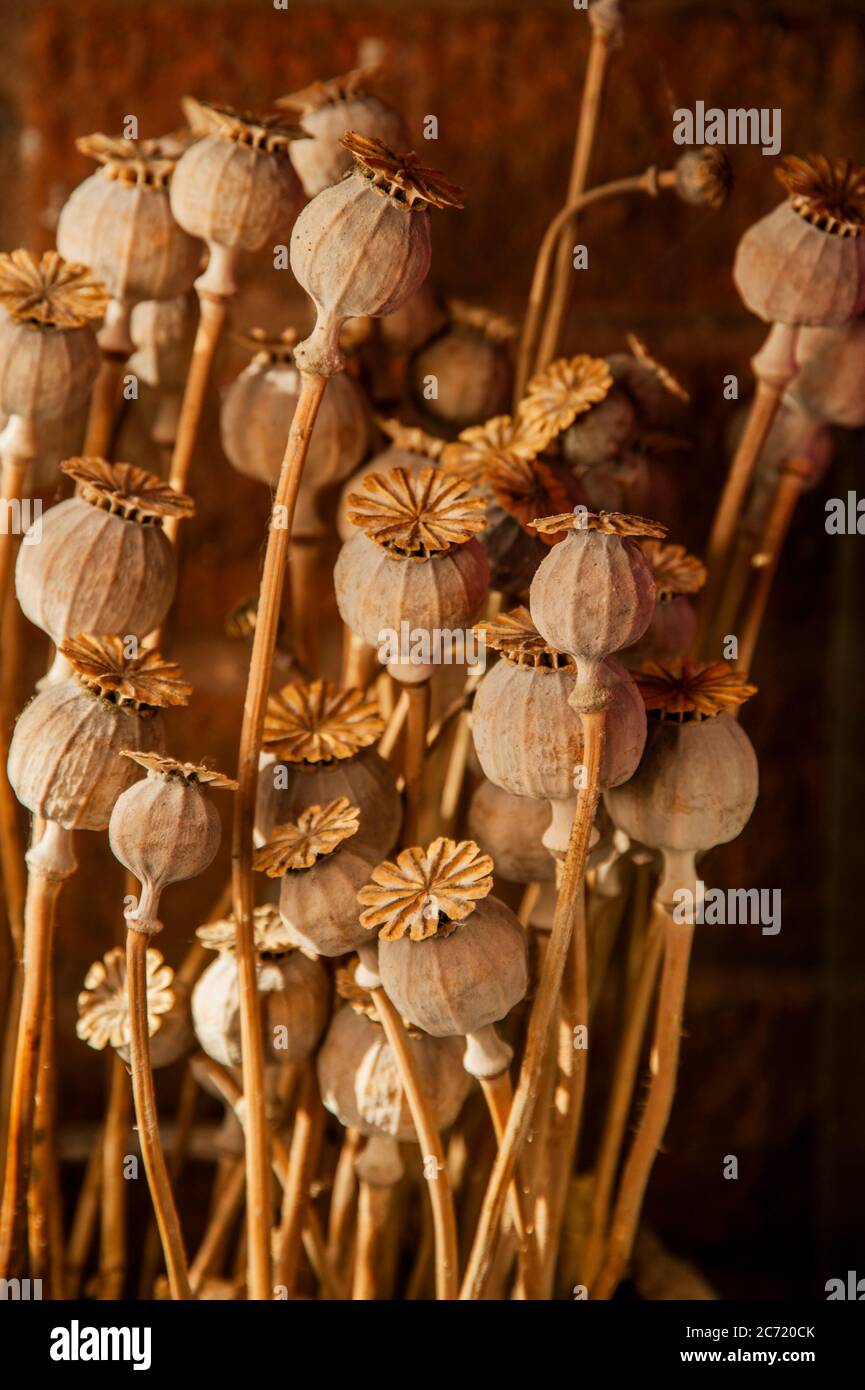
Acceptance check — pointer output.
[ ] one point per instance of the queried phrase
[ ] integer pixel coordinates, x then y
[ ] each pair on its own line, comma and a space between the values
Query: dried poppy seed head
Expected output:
692, 690
673, 569
144, 682
270, 937
127, 491
516, 637
567, 388
326, 110
293, 1002
318, 832
51, 292
471, 363
830, 193
502, 438
704, 177
417, 515
426, 891
317, 723
103, 1008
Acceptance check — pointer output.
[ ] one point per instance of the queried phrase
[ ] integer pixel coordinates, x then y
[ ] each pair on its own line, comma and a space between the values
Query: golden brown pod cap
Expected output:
103, 1004
317, 723
191, 774
502, 438
673, 569
426, 891
417, 513
315, 833
50, 291
324, 92
270, 937
402, 177
269, 133
567, 388
146, 681
608, 523
516, 637
691, 689
829, 193
127, 491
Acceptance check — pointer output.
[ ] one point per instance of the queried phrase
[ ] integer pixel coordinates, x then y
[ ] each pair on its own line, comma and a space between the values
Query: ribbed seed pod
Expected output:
361, 247
409, 448
469, 363
163, 331
293, 996
830, 382
103, 1009
509, 828
411, 325
326, 110
669, 635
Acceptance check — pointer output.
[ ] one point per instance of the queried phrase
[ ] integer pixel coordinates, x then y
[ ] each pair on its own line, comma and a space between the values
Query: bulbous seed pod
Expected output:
704, 177
49, 356
326, 110
621, 484
509, 829
452, 959
471, 365
293, 996
103, 1008
163, 331
697, 782
119, 222
320, 875
257, 411
594, 593
566, 390
104, 561
361, 247
235, 186
830, 382
63, 759
410, 448
804, 263
526, 735
669, 635
602, 432
414, 322
318, 745
417, 565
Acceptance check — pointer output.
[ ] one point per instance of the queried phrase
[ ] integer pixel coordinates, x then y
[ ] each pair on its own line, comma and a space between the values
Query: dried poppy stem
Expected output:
306, 1139
359, 662
621, 1097
308, 582
375, 1206
105, 404
17, 449
543, 1010
417, 722
43, 1216
606, 22
342, 1198
441, 1199
255, 704
764, 563
774, 366
226, 1207
50, 863
182, 1134
84, 1219
499, 1095
112, 1245
389, 739
147, 1117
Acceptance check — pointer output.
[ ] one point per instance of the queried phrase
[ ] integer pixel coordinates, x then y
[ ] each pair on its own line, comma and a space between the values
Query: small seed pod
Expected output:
326, 110
704, 177
104, 561
416, 567
830, 382
594, 593
410, 448
452, 959
320, 874
257, 411
414, 322
469, 362
293, 994
804, 263
318, 746
677, 576
103, 1009
697, 782
509, 828
163, 331
361, 247
119, 222
564, 392
64, 762
165, 829
235, 187
526, 735
48, 351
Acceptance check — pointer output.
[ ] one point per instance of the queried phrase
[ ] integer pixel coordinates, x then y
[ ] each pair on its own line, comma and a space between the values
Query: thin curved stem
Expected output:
499, 1094
225, 1211
213, 313
788, 489
306, 1139
342, 1198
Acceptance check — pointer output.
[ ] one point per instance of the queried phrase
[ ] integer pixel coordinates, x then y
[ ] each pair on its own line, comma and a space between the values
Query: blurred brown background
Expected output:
773, 1064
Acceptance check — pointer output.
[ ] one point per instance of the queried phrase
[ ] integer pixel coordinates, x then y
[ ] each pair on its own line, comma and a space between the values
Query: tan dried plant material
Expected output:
516, 637
127, 491
361, 999
417, 514
673, 569
266, 347
496, 328
142, 162
830, 193
662, 374
271, 134
567, 388
610, 523
103, 1005
692, 688
270, 936
401, 176
192, 774
524, 488
426, 891
325, 92
500, 439
49, 291
316, 722
145, 681
316, 833
412, 439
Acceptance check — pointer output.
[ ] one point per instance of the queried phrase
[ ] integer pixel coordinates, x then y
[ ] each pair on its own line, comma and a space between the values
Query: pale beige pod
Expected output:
411, 325
103, 1008
362, 246
509, 828
64, 759
464, 374
677, 577
163, 331
326, 110
410, 447
320, 873
317, 747
257, 411
526, 734
119, 222
103, 562
830, 382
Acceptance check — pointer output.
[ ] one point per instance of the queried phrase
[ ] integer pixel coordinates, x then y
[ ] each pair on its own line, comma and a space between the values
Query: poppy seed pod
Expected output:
257, 411
163, 331
652, 388
677, 576
411, 325
409, 447
320, 874
804, 263
830, 382
602, 432
235, 186
594, 593
317, 747
326, 110
49, 356
361, 247
509, 828
471, 365
119, 222
64, 762
104, 561
527, 737
103, 1008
